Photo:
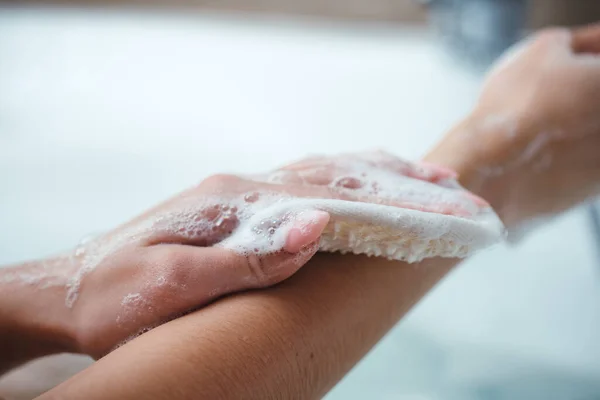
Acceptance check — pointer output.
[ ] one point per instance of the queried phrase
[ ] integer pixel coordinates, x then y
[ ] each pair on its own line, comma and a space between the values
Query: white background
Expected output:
104, 114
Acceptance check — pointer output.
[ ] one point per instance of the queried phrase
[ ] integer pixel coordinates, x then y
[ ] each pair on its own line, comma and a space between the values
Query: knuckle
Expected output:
171, 266
219, 181
260, 272
348, 182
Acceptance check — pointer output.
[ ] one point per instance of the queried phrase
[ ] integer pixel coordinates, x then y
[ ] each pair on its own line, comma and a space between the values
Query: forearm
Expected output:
524, 170
295, 340
33, 317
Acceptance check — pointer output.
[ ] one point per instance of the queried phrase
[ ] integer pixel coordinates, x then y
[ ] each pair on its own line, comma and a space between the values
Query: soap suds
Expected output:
379, 206
131, 298
411, 219
45, 274
93, 251
372, 229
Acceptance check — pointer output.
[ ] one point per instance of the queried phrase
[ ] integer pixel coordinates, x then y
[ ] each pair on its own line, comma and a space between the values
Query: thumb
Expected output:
263, 270
211, 272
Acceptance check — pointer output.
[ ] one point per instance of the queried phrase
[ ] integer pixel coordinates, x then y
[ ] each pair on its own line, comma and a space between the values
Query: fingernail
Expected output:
306, 228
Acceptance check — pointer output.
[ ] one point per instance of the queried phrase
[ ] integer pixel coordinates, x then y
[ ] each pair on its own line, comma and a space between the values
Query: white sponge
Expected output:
380, 205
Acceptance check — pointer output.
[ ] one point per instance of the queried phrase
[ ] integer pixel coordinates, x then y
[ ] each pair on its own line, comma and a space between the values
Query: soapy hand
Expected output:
373, 177
531, 145
172, 259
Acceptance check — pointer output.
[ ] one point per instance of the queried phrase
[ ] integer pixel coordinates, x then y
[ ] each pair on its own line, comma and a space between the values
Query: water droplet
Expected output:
271, 230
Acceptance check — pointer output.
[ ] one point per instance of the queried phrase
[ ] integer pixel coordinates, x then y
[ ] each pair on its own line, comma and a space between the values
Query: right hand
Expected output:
163, 264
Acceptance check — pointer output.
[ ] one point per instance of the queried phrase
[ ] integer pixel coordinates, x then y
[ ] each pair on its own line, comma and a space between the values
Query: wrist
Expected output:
490, 153
33, 314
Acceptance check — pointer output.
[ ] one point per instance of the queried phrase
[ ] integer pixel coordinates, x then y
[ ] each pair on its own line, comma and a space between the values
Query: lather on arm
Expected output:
298, 339
165, 262
295, 340
155, 268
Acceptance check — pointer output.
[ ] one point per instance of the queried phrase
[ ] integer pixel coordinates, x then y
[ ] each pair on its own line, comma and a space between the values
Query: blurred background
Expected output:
108, 108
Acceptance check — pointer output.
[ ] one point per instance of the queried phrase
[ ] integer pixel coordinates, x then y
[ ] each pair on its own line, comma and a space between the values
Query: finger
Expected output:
433, 172
180, 278
336, 175
202, 226
586, 39
306, 229
369, 194
317, 175
424, 171
308, 162
199, 275
333, 170
462, 206
214, 271
362, 189
311, 172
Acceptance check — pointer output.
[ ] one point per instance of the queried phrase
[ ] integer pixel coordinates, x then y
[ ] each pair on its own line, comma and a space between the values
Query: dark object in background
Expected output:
478, 31
543, 13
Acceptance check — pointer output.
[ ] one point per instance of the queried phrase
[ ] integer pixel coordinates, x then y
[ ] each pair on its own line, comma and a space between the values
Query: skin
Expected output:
154, 269
297, 339
293, 341
530, 146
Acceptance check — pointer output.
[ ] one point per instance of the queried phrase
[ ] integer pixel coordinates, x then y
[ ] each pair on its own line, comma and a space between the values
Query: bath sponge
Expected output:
386, 207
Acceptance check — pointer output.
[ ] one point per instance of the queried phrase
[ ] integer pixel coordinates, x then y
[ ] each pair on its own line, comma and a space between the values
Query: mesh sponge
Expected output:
380, 206
455, 238
378, 230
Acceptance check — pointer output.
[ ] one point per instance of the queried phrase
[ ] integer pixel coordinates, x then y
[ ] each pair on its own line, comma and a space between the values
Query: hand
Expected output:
171, 260
165, 262
532, 144
373, 177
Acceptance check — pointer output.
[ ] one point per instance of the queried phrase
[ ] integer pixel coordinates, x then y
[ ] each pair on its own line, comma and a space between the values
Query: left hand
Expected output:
531, 145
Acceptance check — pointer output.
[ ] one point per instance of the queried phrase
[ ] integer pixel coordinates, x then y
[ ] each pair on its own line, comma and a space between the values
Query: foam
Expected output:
386, 207
378, 206
372, 229
44, 274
